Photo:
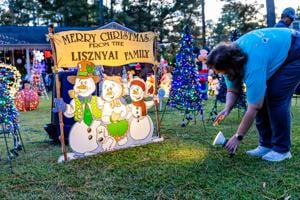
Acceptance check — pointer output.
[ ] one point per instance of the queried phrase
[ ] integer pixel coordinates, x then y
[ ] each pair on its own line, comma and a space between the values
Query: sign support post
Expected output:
155, 68
58, 96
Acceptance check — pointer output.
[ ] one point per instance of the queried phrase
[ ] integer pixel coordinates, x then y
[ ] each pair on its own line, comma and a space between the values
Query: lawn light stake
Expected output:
220, 140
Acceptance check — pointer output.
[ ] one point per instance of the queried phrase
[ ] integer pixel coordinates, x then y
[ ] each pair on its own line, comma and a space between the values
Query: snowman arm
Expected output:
70, 109
149, 104
129, 113
123, 111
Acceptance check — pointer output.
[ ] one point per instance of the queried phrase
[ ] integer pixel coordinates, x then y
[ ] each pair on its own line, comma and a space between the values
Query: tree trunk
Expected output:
270, 13
203, 22
101, 16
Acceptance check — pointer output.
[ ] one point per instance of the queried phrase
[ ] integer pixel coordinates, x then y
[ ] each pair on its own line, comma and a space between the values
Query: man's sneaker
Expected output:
274, 156
259, 151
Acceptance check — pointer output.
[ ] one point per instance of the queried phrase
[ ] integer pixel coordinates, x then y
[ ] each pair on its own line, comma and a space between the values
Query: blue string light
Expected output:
185, 93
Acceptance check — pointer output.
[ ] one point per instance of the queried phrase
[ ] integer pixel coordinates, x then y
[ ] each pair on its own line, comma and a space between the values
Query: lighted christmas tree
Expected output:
185, 93
8, 113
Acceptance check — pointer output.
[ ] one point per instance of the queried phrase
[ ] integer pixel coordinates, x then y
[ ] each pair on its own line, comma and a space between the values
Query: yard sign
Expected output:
107, 47
115, 128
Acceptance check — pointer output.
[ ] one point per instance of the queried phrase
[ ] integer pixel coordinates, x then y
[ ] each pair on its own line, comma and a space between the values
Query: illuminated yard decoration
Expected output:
37, 80
104, 123
85, 108
12, 78
9, 117
186, 91
27, 99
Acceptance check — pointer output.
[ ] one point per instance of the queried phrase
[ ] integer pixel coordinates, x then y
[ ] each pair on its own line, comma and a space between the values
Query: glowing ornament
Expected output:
47, 54
27, 99
12, 78
38, 55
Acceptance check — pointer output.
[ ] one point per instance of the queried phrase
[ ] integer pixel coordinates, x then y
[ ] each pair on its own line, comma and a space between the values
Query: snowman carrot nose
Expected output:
135, 92
82, 87
109, 92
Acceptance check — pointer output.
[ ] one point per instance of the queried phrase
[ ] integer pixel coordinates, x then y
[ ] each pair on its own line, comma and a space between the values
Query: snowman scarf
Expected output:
142, 105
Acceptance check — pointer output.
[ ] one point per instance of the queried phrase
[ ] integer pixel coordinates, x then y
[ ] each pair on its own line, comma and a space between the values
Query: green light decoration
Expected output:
185, 93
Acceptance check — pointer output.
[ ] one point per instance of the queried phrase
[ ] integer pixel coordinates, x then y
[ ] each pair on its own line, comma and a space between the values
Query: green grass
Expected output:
184, 166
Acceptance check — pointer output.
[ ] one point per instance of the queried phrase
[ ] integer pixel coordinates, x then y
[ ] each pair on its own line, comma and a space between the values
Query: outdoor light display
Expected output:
9, 119
105, 123
38, 64
27, 99
186, 93
12, 78
8, 113
38, 68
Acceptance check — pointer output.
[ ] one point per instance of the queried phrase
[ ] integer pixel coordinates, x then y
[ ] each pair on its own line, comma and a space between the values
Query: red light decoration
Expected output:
47, 54
27, 100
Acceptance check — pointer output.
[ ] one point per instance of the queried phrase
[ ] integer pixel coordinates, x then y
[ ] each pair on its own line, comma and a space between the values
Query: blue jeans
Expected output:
273, 121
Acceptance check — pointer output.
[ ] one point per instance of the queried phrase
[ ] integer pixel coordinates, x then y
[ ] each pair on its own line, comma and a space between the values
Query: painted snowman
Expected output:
114, 110
85, 108
141, 125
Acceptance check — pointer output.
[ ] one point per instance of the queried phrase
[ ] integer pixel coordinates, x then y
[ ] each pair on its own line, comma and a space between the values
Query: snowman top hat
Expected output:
139, 82
86, 69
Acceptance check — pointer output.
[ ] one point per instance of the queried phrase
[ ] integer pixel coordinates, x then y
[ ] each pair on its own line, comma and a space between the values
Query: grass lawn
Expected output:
184, 166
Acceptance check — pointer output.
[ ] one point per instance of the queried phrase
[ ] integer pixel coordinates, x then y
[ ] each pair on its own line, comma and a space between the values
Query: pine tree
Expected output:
185, 93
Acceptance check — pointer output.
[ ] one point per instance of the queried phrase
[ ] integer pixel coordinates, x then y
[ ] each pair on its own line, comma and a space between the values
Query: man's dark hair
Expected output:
228, 58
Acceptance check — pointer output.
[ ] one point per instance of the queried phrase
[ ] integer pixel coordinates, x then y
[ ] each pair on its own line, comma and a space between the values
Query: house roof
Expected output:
20, 37
115, 25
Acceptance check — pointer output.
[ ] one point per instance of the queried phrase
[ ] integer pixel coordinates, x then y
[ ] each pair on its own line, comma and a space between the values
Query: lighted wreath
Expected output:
12, 78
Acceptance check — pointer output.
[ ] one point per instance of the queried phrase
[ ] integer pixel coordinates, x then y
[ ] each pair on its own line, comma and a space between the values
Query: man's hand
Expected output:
232, 144
220, 117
